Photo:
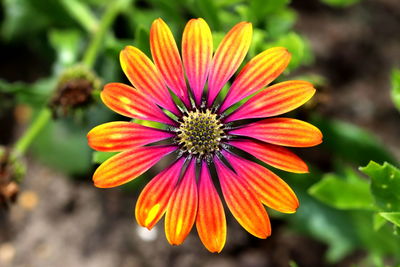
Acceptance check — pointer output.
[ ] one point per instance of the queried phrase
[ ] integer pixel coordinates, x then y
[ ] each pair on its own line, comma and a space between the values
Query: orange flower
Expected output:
203, 134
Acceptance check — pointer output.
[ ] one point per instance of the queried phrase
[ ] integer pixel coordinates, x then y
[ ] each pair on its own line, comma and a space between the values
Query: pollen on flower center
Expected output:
200, 132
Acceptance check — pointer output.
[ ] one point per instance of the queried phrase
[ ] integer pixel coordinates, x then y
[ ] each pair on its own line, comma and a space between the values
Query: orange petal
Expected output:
182, 208
128, 165
276, 156
282, 131
259, 72
274, 100
129, 102
154, 198
197, 48
210, 221
123, 135
167, 59
271, 190
142, 73
228, 57
243, 202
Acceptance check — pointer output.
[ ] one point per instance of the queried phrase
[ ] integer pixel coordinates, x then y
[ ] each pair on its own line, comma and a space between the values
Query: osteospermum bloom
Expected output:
202, 134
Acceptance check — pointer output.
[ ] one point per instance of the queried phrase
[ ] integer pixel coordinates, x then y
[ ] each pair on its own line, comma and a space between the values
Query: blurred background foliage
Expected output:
350, 201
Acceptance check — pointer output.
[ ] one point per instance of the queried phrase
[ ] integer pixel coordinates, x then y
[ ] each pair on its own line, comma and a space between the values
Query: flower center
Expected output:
200, 132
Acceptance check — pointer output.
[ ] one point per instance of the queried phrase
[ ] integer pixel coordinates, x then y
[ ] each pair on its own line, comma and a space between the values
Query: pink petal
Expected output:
129, 102
228, 57
210, 221
273, 155
182, 208
243, 202
274, 100
258, 72
154, 198
197, 48
123, 135
142, 73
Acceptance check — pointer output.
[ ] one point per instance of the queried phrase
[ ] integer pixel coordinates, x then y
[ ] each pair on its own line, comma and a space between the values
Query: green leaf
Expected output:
396, 88
385, 185
393, 217
340, 3
348, 194
351, 143
378, 221
381, 242
99, 157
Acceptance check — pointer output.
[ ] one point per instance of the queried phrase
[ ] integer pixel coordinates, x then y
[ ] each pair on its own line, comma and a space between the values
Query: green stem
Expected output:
112, 11
40, 121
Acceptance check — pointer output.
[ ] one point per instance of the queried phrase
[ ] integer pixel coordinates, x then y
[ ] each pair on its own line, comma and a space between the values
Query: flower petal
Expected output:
123, 135
167, 59
243, 202
154, 198
129, 102
128, 165
142, 73
197, 48
276, 156
274, 100
282, 131
271, 190
182, 207
210, 221
259, 72
228, 57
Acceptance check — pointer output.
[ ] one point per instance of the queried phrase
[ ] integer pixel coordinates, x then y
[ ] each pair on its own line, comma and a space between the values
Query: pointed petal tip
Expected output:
157, 20
215, 249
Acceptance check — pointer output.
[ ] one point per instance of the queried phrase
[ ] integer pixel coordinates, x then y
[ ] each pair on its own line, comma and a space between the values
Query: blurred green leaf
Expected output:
99, 157
142, 36
171, 11
20, 18
297, 46
259, 9
206, 9
64, 147
351, 143
396, 88
257, 43
81, 13
326, 224
393, 217
385, 185
352, 192
34, 94
280, 22
340, 3
67, 44
29, 17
